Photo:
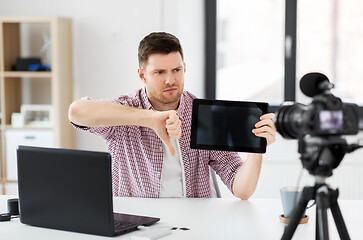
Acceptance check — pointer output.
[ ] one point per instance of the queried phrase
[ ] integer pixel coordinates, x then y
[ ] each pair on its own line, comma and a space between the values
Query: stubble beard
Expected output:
171, 99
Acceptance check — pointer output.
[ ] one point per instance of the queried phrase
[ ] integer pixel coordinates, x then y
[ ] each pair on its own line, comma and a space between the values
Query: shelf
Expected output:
18, 74
15, 19
10, 181
8, 126
21, 37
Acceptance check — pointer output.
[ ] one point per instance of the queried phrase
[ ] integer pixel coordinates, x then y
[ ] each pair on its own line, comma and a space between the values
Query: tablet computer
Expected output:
227, 125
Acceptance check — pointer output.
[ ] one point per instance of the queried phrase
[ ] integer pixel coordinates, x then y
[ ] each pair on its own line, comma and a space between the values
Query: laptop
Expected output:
70, 190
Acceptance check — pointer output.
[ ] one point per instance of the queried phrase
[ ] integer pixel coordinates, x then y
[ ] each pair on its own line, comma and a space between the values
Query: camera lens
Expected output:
289, 120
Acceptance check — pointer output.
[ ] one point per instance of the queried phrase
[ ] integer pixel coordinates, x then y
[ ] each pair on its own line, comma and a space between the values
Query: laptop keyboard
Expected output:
120, 226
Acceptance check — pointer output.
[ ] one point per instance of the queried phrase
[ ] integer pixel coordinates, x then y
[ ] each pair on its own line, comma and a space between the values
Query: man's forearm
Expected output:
100, 114
246, 178
89, 113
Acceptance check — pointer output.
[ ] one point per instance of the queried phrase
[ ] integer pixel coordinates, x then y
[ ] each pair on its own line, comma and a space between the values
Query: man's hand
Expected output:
266, 128
167, 125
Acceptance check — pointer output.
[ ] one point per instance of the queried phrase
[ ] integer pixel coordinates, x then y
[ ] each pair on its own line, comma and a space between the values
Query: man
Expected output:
148, 133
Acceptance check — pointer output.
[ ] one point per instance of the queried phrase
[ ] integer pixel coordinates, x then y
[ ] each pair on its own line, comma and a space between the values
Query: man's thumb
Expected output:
169, 146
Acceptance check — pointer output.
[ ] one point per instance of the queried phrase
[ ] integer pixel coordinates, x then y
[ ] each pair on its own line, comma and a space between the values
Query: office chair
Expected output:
214, 183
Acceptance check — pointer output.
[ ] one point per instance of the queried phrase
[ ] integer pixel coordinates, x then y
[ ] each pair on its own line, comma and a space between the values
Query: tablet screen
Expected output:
227, 125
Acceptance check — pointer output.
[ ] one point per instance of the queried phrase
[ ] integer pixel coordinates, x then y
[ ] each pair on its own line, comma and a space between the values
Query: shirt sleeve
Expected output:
226, 164
104, 132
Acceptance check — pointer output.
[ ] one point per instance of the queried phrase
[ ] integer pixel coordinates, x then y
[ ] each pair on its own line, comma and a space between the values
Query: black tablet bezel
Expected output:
263, 106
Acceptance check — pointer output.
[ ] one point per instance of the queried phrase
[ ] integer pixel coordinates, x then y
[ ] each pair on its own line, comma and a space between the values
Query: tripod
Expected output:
325, 197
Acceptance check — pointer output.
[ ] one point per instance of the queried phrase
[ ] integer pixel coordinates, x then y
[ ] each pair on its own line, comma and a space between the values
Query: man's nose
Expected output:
169, 79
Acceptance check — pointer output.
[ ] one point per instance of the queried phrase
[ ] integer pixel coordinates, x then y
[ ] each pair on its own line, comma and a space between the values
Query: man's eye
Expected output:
177, 70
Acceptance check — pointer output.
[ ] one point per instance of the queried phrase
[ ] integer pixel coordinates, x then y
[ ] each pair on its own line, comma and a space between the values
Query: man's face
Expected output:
163, 75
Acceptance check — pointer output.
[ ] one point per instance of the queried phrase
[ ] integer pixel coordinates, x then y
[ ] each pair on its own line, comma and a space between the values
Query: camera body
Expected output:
327, 115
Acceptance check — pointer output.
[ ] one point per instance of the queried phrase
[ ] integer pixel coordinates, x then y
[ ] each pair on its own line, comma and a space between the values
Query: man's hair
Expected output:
158, 42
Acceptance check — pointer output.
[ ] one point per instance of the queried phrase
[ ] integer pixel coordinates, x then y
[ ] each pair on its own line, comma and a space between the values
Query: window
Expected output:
329, 40
259, 50
250, 50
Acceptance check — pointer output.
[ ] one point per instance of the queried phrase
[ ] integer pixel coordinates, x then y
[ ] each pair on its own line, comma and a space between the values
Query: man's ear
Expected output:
141, 73
185, 67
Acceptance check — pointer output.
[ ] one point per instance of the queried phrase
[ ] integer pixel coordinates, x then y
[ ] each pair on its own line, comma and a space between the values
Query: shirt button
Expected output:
158, 173
161, 148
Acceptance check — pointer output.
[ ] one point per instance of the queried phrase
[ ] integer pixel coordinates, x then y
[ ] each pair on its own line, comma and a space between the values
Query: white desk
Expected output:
207, 219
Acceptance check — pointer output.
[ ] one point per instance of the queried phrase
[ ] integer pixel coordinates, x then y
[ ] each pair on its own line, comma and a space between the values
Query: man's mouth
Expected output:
170, 90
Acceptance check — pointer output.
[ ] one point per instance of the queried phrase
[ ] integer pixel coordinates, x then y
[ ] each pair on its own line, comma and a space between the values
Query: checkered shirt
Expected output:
137, 154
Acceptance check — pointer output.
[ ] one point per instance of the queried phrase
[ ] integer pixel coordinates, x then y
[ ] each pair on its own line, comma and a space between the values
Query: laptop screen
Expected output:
65, 189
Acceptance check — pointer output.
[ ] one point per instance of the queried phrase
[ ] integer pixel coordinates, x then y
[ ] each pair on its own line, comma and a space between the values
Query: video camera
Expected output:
327, 115
319, 125
318, 128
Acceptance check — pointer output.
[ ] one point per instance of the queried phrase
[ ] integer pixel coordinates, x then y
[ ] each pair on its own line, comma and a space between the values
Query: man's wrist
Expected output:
143, 117
256, 155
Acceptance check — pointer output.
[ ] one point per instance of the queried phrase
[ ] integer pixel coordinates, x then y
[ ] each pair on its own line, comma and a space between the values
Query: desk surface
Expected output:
227, 218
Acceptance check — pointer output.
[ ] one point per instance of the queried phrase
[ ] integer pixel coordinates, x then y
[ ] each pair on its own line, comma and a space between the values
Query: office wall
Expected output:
106, 34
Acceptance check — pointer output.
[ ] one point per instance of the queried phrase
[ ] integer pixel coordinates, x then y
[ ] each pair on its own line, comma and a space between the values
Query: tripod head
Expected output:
320, 155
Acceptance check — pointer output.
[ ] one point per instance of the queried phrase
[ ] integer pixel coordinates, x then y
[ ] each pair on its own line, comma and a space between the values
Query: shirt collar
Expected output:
145, 99
181, 106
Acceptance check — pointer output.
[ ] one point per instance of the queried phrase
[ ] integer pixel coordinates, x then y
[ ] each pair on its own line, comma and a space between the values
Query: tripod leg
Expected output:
307, 195
322, 204
316, 225
337, 215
